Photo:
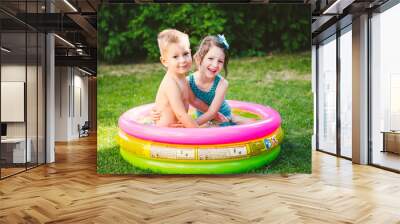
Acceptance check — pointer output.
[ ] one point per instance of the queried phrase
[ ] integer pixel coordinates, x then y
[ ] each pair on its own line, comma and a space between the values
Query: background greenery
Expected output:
128, 33
281, 81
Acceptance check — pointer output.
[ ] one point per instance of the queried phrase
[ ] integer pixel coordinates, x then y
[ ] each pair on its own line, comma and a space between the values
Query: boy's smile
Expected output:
178, 58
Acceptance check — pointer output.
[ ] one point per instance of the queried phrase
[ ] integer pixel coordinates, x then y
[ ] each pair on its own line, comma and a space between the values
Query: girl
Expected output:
207, 84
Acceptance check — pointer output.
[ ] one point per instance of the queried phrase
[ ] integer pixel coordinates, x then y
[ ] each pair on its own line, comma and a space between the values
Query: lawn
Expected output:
282, 81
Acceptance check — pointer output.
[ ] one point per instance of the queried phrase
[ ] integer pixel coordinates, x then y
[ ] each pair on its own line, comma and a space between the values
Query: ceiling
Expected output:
332, 15
73, 21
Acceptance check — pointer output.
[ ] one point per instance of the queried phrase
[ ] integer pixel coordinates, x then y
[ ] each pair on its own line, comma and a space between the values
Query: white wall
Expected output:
62, 81
12, 73
80, 110
33, 126
12, 101
71, 94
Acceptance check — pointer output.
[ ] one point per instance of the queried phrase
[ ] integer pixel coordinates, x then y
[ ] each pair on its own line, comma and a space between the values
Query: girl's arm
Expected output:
215, 104
196, 102
203, 107
174, 96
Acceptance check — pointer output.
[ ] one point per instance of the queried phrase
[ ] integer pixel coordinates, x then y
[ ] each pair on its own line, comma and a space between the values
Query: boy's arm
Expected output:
215, 104
174, 96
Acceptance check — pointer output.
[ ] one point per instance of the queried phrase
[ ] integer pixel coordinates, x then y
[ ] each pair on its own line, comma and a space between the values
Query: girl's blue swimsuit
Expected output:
208, 97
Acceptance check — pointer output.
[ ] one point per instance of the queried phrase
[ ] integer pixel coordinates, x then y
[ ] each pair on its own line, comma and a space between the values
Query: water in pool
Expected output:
239, 114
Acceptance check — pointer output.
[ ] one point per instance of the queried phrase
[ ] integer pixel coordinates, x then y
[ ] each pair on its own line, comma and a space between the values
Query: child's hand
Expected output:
220, 118
155, 114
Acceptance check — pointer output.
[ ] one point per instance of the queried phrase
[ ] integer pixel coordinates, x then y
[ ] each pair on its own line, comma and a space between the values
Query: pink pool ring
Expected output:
215, 150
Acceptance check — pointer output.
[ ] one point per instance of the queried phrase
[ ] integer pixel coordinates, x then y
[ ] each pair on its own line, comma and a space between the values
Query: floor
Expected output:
70, 191
387, 159
9, 170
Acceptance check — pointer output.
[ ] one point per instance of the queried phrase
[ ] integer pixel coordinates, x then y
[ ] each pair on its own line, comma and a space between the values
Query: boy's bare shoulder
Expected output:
169, 82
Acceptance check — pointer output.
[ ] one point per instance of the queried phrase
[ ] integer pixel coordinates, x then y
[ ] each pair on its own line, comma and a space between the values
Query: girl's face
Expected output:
213, 62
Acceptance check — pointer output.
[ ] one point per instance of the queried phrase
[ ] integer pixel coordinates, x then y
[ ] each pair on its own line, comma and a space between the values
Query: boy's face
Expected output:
178, 58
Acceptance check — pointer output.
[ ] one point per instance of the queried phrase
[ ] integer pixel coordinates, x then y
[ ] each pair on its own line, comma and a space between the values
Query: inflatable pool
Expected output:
216, 150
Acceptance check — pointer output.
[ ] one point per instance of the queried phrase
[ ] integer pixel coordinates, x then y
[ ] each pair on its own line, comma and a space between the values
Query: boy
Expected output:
172, 98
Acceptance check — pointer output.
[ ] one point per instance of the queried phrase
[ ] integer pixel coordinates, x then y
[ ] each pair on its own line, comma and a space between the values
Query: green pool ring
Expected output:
243, 165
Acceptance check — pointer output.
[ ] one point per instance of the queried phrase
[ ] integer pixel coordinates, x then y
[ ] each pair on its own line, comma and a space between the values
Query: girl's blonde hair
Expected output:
205, 46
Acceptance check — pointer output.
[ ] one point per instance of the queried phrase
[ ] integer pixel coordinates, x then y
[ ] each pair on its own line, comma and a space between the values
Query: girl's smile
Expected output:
212, 62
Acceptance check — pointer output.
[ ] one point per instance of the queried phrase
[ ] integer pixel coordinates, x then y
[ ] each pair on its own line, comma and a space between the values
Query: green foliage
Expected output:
129, 32
282, 81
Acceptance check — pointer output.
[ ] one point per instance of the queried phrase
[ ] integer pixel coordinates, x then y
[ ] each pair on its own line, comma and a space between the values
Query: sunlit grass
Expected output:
281, 81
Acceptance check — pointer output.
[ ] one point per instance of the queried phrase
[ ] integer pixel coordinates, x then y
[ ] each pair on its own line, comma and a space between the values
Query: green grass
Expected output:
282, 81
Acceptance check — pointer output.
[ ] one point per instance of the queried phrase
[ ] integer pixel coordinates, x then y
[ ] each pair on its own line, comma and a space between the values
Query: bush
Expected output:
129, 32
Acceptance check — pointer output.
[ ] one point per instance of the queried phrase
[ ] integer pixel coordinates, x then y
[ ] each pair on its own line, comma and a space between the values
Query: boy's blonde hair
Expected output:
170, 36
